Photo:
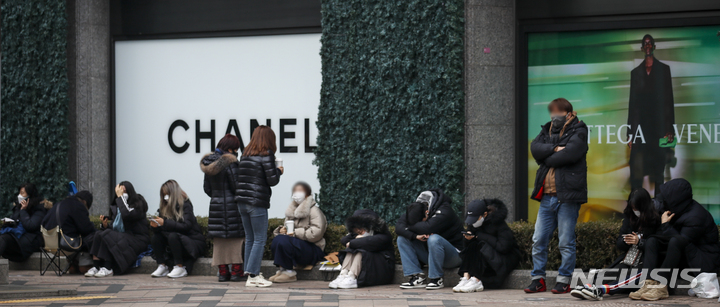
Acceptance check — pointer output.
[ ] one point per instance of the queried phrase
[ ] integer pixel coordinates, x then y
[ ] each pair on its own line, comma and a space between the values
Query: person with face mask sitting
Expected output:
20, 236
429, 232
490, 251
299, 241
560, 150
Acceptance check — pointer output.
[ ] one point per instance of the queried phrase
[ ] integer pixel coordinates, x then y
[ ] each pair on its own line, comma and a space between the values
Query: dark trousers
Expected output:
167, 248
9, 247
473, 261
673, 251
292, 252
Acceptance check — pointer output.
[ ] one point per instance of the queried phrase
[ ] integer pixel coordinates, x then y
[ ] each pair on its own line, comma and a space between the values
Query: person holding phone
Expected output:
430, 233
688, 237
177, 240
124, 234
299, 241
256, 174
641, 221
20, 235
490, 252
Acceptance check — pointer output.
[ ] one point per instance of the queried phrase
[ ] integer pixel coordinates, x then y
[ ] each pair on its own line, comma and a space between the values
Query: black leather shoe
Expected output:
223, 278
238, 278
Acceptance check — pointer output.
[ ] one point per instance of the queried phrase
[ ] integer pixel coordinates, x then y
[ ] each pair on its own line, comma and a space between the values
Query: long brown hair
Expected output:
173, 207
262, 141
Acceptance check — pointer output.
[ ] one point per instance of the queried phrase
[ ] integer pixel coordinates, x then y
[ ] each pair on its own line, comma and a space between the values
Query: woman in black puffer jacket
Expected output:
21, 238
224, 223
255, 176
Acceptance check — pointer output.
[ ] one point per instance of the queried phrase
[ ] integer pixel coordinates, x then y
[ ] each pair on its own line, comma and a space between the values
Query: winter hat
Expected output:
475, 209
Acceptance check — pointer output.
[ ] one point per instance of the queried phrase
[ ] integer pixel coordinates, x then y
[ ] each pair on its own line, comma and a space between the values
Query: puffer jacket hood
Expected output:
677, 195
366, 219
499, 214
214, 163
439, 199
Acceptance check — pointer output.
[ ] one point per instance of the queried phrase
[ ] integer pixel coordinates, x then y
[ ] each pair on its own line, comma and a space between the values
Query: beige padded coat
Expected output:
310, 222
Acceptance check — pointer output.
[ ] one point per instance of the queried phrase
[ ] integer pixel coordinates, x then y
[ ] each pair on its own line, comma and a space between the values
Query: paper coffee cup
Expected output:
278, 162
290, 226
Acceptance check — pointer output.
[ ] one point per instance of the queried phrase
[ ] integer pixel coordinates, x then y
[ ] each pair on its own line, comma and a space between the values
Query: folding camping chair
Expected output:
53, 253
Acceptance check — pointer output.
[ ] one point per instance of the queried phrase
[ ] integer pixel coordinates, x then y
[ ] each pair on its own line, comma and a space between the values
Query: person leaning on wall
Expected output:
224, 222
74, 213
299, 242
125, 233
177, 240
254, 179
560, 151
20, 235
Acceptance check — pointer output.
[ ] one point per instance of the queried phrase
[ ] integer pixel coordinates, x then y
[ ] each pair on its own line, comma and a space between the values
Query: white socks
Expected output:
289, 272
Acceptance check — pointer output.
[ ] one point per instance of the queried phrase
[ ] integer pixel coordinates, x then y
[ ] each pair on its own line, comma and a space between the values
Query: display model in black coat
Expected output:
378, 253
442, 220
496, 246
254, 178
123, 248
692, 222
31, 219
224, 217
75, 220
570, 163
193, 241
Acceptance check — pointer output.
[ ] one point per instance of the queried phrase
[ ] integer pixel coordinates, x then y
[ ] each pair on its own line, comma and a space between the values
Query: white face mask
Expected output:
298, 197
21, 198
637, 213
479, 222
166, 197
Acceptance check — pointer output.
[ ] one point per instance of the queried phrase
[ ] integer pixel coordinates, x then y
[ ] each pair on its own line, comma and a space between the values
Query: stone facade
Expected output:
490, 101
89, 93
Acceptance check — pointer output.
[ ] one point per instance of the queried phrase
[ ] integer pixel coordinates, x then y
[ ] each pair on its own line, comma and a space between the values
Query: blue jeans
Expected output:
563, 216
255, 222
437, 253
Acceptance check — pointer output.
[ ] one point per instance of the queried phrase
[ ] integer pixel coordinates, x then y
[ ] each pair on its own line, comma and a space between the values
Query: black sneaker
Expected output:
414, 282
435, 283
561, 288
537, 285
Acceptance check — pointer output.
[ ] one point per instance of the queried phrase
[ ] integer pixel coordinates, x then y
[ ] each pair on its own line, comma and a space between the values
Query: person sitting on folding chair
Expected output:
75, 218
20, 235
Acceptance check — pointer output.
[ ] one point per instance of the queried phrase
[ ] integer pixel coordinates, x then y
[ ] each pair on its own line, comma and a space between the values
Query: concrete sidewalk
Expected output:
142, 290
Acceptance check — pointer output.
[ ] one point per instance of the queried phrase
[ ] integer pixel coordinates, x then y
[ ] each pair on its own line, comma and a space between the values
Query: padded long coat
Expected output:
123, 247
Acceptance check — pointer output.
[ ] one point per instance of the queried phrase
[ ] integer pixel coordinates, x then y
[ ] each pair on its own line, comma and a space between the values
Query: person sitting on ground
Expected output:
430, 233
641, 221
75, 216
490, 251
20, 236
688, 236
124, 235
299, 242
369, 254
177, 240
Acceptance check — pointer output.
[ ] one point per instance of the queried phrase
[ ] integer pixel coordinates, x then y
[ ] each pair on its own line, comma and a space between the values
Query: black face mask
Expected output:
558, 121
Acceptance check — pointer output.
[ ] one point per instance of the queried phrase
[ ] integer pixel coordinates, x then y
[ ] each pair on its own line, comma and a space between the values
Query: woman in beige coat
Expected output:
299, 242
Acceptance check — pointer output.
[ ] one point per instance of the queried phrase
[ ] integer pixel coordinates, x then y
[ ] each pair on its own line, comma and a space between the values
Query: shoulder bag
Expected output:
68, 243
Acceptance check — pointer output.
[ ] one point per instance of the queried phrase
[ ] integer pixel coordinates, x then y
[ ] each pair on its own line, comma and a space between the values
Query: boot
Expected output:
237, 273
224, 273
637, 295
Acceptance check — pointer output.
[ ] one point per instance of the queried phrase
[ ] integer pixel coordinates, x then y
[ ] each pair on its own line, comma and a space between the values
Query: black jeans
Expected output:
164, 241
673, 249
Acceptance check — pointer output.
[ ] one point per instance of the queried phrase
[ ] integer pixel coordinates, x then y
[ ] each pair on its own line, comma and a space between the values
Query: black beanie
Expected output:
86, 196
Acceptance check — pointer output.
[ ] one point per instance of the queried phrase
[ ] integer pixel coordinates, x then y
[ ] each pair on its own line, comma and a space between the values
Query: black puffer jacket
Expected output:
570, 163
693, 222
31, 219
442, 220
224, 217
191, 237
500, 249
378, 253
255, 176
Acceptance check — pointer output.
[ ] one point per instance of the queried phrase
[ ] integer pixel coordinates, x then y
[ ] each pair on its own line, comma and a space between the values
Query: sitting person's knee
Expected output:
173, 236
434, 239
677, 242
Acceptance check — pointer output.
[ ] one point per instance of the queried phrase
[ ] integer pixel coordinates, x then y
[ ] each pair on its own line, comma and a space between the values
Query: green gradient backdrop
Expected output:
592, 70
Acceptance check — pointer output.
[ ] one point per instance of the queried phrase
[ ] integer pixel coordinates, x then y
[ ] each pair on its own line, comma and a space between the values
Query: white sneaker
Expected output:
348, 283
473, 285
334, 284
91, 272
258, 281
462, 283
161, 271
178, 272
103, 272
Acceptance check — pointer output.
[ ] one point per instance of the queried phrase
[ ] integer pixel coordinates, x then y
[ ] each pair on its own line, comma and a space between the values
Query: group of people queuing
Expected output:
670, 231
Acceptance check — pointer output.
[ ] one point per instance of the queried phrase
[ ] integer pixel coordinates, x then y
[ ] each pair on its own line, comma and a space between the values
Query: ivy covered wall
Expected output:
34, 121
391, 111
